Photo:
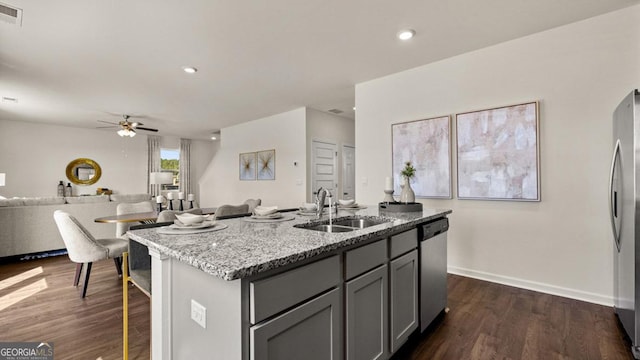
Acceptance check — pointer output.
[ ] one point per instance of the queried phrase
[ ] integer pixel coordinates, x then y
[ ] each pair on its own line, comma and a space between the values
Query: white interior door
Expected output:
348, 172
324, 172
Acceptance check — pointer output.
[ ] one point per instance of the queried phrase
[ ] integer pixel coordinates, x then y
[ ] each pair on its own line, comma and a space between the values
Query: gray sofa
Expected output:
27, 225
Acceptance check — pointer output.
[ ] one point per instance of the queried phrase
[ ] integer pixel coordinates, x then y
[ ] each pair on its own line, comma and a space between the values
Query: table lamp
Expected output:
161, 178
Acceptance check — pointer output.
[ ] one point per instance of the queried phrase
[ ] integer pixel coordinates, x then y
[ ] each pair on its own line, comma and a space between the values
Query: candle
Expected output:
159, 199
170, 196
180, 195
388, 183
191, 197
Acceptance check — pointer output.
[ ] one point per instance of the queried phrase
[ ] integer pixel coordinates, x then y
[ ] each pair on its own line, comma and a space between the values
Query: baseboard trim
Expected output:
534, 286
31, 256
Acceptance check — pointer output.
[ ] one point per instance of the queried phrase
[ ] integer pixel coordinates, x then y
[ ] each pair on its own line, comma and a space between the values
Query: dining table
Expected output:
142, 217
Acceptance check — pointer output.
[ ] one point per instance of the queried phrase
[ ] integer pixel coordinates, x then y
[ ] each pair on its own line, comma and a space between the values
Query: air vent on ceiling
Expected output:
10, 14
335, 111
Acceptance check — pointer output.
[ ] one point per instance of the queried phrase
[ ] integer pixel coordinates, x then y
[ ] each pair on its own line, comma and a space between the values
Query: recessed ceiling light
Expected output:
189, 69
214, 138
406, 34
354, 108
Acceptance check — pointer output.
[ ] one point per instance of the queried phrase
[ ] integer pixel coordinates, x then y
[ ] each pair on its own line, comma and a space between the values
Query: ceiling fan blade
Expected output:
134, 116
107, 127
148, 129
107, 122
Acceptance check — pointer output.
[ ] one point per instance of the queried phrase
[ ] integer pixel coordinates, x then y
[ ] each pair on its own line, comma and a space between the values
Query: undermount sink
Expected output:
343, 225
330, 228
359, 223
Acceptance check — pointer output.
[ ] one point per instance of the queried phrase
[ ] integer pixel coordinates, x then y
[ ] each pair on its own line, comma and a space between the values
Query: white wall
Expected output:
330, 128
283, 132
201, 154
579, 73
34, 157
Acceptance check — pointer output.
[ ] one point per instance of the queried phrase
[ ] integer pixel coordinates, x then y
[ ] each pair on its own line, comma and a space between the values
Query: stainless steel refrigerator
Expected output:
624, 206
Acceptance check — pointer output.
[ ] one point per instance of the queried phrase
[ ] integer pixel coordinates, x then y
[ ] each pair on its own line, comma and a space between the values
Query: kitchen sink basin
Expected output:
343, 225
330, 228
359, 223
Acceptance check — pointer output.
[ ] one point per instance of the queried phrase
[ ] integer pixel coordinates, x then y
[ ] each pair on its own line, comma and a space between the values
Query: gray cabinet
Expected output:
366, 316
311, 331
298, 313
403, 243
361, 304
403, 284
274, 294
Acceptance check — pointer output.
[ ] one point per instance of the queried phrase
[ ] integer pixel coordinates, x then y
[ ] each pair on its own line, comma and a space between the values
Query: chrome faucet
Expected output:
321, 194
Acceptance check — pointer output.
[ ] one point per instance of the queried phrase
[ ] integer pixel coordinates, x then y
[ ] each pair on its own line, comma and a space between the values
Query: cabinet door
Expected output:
404, 298
367, 314
310, 331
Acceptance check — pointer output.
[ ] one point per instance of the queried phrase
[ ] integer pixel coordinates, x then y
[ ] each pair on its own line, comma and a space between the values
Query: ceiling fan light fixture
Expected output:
126, 127
215, 135
189, 69
126, 132
406, 34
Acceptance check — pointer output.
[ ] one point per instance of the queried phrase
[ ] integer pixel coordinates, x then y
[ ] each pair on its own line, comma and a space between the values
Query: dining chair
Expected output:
225, 210
253, 203
83, 248
131, 208
170, 215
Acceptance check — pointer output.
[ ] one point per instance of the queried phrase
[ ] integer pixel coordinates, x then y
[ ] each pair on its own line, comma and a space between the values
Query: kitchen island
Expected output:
278, 290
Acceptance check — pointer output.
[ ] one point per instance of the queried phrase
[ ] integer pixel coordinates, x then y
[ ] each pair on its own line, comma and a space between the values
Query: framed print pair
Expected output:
497, 154
259, 165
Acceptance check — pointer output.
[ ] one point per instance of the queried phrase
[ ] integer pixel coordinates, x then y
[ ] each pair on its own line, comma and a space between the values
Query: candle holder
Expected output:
181, 205
190, 204
388, 197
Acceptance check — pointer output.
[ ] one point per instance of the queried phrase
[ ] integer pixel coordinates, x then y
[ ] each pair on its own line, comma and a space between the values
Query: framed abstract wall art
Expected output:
248, 166
498, 153
427, 145
266, 165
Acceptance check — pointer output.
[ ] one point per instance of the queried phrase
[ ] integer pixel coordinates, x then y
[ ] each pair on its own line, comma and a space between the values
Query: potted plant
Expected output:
408, 172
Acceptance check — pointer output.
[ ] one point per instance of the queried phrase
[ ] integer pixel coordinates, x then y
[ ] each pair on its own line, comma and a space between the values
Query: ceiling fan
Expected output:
127, 128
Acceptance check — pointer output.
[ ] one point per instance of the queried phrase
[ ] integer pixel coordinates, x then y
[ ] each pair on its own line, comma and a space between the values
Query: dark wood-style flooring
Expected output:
485, 321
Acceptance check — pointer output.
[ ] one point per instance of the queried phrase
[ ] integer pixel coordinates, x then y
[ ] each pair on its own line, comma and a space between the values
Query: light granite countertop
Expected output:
245, 248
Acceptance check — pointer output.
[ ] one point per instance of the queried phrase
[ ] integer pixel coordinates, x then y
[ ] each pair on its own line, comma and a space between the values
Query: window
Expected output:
170, 161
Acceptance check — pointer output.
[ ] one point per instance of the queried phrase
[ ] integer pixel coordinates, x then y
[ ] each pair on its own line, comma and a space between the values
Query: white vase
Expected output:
407, 195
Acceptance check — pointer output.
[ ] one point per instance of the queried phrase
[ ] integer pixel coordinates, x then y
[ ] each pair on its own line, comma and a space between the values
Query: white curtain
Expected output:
185, 166
153, 143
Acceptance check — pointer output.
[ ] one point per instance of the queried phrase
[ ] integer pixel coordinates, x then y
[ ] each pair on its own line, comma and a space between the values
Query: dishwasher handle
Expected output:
434, 228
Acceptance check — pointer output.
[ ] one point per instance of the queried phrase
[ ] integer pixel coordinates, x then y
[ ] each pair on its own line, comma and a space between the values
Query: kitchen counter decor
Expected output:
409, 172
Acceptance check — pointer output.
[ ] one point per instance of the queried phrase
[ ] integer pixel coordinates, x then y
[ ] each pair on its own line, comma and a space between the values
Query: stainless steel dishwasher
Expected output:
433, 270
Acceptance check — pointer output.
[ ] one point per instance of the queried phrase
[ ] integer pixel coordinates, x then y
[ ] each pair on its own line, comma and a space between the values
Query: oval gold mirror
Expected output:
83, 171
